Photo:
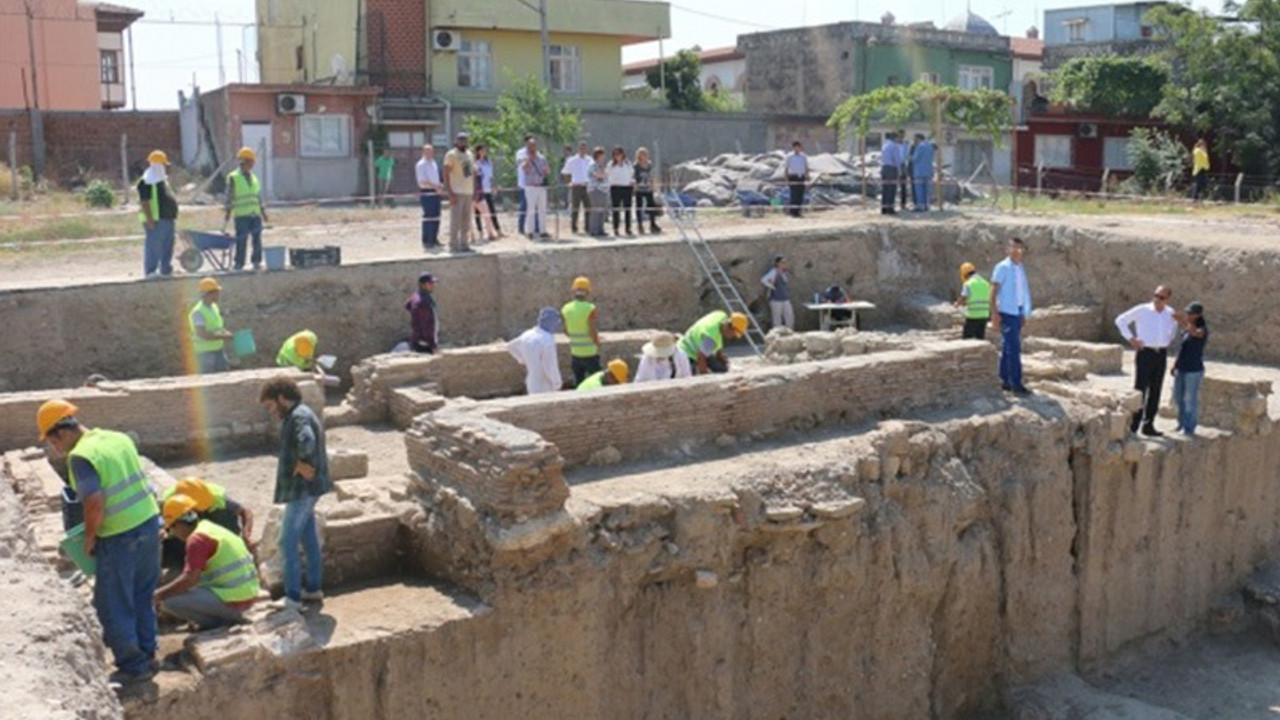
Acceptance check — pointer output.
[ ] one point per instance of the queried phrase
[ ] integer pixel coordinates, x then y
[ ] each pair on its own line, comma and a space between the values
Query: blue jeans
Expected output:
430, 202
923, 189
299, 527
157, 252
212, 362
1011, 350
1186, 397
247, 226
128, 568
524, 209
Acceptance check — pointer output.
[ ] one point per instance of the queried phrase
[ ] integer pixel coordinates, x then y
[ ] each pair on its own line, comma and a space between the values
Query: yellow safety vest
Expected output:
592, 382
231, 573
289, 355
212, 323
577, 325
246, 196
708, 326
127, 501
978, 304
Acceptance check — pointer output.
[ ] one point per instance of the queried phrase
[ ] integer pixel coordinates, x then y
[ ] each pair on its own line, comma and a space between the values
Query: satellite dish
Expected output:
338, 65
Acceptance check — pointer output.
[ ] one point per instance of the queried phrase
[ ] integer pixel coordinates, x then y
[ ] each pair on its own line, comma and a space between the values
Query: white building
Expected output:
723, 70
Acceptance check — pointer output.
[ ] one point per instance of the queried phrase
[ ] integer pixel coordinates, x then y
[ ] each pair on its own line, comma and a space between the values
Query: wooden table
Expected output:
824, 310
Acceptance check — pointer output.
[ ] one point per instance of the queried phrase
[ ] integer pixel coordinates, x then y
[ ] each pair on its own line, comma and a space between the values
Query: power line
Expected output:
722, 18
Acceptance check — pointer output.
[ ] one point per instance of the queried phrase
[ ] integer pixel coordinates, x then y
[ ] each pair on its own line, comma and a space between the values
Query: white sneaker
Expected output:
285, 604
312, 595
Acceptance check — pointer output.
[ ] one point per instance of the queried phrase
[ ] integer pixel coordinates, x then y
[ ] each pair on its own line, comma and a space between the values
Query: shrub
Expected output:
100, 194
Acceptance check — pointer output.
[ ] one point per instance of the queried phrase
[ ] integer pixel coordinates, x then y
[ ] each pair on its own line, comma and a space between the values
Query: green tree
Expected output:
1226, 79
1155, 155
527, 108
985, 111
1110, 85
681, 75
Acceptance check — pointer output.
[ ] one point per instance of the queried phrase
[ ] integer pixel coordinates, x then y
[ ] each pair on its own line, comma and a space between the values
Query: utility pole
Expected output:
133, 77
546, 45
222, 71
37, 122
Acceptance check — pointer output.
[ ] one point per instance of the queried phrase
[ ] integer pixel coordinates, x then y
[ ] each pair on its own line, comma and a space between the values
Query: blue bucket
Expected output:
242, 343
275, 257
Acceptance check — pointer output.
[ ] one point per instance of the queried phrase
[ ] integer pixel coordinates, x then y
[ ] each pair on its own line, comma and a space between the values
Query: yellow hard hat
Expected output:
966, 270
51, 413
305, 345
197, 490
246, 153
618, 369
158, 156
739, 322
582, 283
208, 285
176, 507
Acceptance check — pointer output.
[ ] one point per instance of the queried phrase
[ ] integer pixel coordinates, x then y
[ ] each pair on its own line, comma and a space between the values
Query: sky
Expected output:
168, 55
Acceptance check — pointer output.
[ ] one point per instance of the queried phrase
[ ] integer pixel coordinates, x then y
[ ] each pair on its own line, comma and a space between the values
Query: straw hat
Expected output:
661, 347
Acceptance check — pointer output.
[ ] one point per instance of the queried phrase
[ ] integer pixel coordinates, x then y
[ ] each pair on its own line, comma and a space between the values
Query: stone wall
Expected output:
80, 145
175, 416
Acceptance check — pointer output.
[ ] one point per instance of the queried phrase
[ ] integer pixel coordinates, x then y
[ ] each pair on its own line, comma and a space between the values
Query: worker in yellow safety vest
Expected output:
209, 335
213, 504
246, 205
703, 343
121, 533
298, 351
580, 324
220, 579
159, 214
616, 373
975, 298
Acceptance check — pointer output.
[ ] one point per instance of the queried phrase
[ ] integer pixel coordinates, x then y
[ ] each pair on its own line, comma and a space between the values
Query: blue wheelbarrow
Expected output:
218, 249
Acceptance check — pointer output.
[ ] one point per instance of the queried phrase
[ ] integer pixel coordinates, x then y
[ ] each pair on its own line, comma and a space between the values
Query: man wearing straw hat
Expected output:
209, 335
660, 361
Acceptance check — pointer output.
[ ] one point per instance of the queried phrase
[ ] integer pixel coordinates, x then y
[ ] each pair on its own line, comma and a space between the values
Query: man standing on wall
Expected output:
302, 476
424, 327
1010, 308
121, 534
890, 165
460, 185
159, 214
975, 298
577, 170
246, 205
797, 170
208, 334
1149, 328
580, 324
1188, 369
428, 175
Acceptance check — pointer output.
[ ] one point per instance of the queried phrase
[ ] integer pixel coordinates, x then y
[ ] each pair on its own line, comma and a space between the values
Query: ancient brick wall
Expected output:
80, 145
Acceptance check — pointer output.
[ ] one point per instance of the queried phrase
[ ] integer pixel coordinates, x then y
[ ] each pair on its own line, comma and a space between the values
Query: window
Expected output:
475, 65
566, 68
976, 77
930, 77
1075, 30
325, 136
892, 81
1053, 151
1115, 153
406, 139
110, 64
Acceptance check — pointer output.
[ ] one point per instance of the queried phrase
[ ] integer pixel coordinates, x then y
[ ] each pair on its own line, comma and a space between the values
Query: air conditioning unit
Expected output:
291, 103
1088, 130
446, 40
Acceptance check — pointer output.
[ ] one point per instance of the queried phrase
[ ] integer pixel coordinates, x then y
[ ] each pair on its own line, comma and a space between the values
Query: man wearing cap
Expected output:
975, 298
121, 533
246, 205
1149, 328
460, 186
219, 579
1188, 369
424, 323
615, 373
535, 349
208, 333
703, 343
159, 213
580, 324
660, 361
778, 283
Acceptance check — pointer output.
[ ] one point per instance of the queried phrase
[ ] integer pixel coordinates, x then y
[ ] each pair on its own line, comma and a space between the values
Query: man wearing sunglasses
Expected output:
1149, 328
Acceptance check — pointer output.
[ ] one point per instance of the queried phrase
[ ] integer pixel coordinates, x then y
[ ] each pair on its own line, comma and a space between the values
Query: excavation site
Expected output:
850, 524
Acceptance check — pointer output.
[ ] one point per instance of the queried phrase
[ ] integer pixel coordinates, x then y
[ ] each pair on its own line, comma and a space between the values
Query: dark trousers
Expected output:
1201, 187
248, 226
584, 367
520, 214
620, 197
487, 199
646, 209
975, 329
1149, 380
888, 188
1011, 351
907, 188
717, 364
578, 202
796, 184
430, 201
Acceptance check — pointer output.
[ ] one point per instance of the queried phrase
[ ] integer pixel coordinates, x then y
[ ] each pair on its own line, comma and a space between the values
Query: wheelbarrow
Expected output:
217, 248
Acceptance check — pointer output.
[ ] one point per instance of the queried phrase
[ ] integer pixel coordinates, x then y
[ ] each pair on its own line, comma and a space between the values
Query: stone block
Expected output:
346, 464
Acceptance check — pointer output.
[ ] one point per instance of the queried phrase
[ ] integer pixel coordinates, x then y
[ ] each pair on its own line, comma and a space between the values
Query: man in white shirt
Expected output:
1149, 328
1010, 309
535, 349
797, 170
524, 207
534, 172
428, 175
578, 169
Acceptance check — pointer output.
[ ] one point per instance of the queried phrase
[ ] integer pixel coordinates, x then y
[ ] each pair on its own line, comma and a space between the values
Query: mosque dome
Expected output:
968, 22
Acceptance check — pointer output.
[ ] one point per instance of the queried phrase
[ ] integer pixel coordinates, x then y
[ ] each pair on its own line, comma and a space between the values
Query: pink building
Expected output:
79, 55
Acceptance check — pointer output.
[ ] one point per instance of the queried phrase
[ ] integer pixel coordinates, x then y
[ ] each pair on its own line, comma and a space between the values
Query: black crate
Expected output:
315, 257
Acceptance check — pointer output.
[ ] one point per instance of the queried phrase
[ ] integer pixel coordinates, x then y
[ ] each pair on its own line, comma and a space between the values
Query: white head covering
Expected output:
662, 346
155, 173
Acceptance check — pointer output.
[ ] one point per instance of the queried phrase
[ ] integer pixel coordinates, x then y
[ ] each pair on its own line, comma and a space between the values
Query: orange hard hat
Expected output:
51, 414
197, 490
176, 507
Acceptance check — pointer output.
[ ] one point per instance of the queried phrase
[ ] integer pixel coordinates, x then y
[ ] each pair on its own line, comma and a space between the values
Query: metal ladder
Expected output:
682, 217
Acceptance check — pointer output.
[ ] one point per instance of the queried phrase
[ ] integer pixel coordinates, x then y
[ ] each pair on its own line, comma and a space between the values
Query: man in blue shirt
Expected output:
922, 172
891, 159
1010, 308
